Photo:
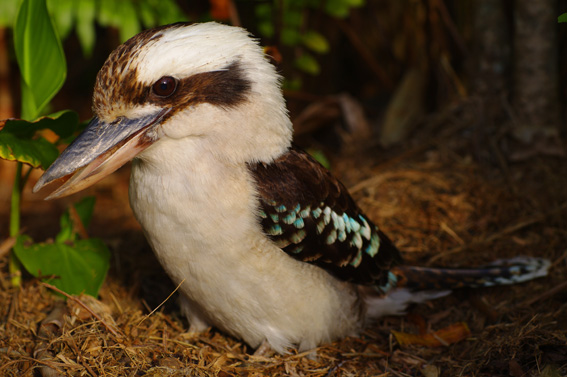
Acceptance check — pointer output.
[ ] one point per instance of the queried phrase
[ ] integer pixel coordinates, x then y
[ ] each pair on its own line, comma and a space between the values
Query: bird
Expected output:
265, 243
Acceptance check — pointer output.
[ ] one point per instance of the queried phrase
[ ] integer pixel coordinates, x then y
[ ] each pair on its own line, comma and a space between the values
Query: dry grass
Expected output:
439, 206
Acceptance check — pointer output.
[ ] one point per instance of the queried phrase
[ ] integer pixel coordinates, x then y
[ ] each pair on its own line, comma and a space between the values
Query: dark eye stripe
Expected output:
227, 87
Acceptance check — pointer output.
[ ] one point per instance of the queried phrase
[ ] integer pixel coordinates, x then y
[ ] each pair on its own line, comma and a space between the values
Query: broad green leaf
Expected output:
40, 56
75, 269
562, 18
29, 108
18, 141
86, 13
63, 123
37, 152
308, 64
315, 41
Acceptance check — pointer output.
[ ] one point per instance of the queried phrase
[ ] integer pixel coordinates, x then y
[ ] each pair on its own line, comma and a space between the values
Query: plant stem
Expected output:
15, 265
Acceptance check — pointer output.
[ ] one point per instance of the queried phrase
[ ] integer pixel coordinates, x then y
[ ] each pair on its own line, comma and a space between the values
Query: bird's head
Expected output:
206, 86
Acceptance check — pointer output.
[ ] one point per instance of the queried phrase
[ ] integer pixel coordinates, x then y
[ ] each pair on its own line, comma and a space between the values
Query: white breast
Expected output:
198, 215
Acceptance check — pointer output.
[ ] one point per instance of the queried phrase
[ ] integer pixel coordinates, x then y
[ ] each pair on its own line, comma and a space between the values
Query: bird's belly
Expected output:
238, 280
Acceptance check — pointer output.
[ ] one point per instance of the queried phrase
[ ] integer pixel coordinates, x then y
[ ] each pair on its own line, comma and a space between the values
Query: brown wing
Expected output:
306, 211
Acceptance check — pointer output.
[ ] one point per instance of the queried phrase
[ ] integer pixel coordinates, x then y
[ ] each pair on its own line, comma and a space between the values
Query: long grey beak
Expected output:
98, 151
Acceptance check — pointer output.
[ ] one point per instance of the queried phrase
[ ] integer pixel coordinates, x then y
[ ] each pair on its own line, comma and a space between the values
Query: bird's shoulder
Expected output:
310, 214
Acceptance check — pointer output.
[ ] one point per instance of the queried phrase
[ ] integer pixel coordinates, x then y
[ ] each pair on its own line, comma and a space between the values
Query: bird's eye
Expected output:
165, 86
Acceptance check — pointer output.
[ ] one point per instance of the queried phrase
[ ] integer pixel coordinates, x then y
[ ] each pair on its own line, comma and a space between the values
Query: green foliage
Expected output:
128, 16
341, 8
293, 31
19, 141
72, 265
75, 266
562, 18
315, 42
86, 31
307, 63
38, 51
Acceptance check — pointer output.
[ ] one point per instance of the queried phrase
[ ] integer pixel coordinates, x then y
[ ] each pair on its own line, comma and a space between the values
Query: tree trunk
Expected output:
491, 54
536, 80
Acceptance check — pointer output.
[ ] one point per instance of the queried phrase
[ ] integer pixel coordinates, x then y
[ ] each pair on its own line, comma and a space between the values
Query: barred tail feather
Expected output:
501, 272
419, 284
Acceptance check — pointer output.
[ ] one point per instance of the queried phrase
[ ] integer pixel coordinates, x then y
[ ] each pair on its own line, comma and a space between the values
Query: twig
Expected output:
160, 305
84, 306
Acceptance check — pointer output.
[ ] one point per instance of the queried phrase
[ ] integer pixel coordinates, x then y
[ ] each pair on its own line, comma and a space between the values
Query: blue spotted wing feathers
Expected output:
307, 212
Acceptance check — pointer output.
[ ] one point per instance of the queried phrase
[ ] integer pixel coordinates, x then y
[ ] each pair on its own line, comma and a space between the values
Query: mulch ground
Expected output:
443, 199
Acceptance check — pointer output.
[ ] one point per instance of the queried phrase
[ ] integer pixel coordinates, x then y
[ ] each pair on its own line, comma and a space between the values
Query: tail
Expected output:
501, 272
409, 284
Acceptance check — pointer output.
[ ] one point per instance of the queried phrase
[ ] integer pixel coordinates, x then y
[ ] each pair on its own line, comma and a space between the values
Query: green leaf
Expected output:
63, 123
73, 266
562, 18
40, 57
308, 64
86, 13
75, 269
37, 152
315, 41
18, 141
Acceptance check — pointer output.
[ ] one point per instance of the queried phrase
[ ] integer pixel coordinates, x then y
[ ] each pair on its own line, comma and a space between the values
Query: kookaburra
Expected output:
268, 245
